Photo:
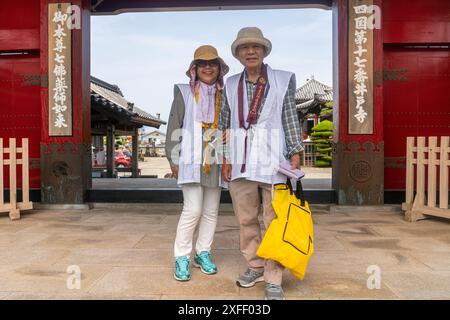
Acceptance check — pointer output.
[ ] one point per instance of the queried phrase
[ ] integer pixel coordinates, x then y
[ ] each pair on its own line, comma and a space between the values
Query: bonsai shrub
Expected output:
327, 111
321, 136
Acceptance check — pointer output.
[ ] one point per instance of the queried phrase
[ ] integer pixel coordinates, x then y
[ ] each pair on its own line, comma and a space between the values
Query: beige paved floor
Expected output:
126, 253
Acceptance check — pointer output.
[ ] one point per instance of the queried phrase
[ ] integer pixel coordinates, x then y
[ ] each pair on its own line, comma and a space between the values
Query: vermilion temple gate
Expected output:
408, 78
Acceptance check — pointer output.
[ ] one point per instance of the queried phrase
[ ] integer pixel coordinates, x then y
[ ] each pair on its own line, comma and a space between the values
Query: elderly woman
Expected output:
193, 120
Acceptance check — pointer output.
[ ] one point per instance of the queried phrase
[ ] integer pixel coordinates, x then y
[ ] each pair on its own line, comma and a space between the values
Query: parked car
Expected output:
121, 160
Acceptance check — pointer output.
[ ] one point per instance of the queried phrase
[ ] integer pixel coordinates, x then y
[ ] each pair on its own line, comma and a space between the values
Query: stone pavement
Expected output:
125, 252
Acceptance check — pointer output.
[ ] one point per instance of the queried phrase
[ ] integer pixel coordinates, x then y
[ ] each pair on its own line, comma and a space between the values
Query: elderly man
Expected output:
259, 117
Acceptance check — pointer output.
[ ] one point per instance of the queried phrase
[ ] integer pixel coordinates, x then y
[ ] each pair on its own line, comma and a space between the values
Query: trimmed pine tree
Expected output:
321, 136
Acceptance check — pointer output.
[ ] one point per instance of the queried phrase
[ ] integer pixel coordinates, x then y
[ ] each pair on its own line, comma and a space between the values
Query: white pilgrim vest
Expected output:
266, 143
191, 144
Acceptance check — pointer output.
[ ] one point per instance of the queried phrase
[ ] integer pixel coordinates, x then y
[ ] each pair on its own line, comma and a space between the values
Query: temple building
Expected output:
314, 101
112, 115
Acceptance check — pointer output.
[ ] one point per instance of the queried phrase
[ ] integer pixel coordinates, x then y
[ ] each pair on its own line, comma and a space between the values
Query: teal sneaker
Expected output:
182, 269
203, 261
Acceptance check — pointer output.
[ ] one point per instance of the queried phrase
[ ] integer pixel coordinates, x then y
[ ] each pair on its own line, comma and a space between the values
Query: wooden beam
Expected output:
99, 131
25, 172
110, 148
94, 6
14, 213
409, 171
443, 172
436, 212
432, 146
124, 133
98, 117
135, 154
120, 6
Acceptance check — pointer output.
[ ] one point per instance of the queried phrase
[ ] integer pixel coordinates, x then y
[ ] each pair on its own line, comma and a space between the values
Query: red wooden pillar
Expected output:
66, 161
358, 159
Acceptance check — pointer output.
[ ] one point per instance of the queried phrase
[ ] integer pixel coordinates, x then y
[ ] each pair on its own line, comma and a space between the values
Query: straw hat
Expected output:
251, 35
207, 53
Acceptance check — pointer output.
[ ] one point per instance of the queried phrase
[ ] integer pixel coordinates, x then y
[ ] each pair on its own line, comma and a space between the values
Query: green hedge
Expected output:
324, 149
325, 112
321, 163
320, 140
322, 134
325, 125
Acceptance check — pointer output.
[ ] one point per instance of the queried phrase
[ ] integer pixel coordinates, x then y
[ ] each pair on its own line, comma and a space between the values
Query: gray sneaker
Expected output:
249, 278
274, 292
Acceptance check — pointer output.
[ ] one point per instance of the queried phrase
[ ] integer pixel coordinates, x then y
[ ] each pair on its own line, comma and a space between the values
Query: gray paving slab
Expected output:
419, 285
435, 260
4, 295
46, 279
421, 244
75, 296
160, 280
334, 285
25, 256
83, 240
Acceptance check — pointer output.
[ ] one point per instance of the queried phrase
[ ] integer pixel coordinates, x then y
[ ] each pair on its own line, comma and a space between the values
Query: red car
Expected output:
121, 160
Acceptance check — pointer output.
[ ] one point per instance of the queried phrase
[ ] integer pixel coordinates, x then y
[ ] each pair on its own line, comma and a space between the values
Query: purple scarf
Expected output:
206, 102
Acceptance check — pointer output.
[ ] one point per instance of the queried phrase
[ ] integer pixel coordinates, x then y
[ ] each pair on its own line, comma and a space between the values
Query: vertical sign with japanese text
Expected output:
360, 77
59, 70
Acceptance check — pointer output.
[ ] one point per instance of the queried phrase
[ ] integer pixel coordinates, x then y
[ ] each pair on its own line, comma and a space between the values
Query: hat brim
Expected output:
223, 66
264, 42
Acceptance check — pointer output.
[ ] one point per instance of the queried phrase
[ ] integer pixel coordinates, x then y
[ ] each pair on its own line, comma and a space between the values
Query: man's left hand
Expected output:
295, 161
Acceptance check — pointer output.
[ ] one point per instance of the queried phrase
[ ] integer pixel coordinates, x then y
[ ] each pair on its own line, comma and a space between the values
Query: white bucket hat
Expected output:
251, 35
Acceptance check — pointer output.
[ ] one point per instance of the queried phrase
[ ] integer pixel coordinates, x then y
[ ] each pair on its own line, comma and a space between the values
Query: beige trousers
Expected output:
246, 204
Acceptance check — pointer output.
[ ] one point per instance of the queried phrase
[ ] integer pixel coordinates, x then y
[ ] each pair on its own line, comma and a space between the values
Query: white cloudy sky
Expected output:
145, 54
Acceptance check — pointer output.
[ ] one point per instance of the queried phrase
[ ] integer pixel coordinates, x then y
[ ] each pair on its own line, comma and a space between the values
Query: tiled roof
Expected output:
111, 97
306, 104
312, 89
142, 114
311, 93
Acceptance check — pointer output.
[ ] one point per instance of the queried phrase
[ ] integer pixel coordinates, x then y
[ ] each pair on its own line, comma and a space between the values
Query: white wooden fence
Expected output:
14, 207
435, 156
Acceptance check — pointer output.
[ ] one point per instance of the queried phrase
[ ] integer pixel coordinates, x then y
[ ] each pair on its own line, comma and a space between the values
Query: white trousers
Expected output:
201, 204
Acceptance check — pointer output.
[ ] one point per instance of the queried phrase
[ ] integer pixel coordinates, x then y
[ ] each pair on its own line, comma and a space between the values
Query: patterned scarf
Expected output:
207, 98
206, 102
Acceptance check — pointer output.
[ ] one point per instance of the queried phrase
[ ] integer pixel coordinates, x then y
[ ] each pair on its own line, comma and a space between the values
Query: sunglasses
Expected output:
204, 63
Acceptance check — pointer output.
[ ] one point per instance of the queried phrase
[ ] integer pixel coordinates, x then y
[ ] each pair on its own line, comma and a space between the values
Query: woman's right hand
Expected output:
226, 172
174, 171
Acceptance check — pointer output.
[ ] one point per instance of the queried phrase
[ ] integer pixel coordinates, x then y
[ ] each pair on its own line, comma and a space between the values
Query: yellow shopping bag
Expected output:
289, 238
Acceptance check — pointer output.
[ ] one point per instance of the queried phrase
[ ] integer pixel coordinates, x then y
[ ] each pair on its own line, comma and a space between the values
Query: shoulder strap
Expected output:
298, 192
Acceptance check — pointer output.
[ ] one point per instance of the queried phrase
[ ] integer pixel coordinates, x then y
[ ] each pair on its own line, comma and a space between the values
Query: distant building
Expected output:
153, 144
314, 102
113, 115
